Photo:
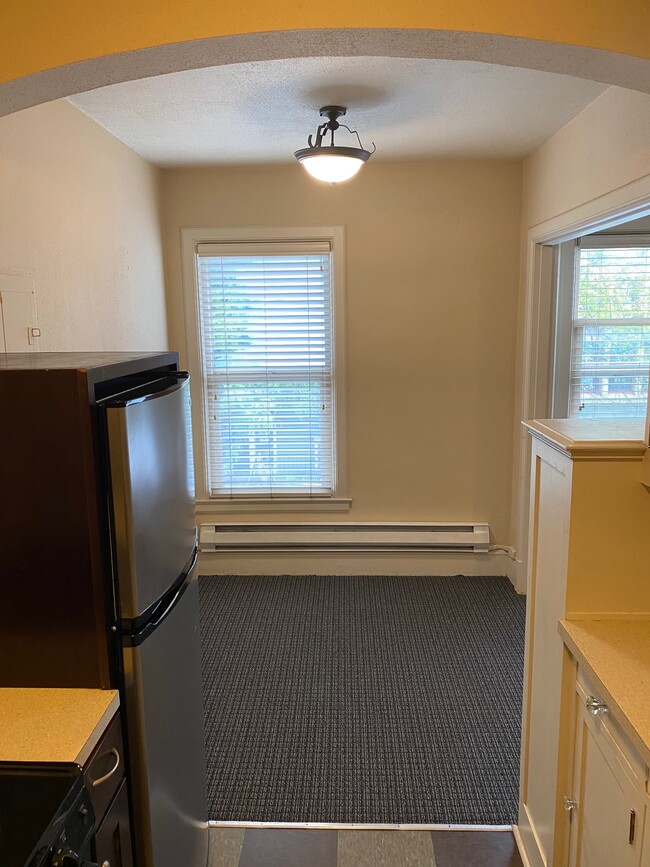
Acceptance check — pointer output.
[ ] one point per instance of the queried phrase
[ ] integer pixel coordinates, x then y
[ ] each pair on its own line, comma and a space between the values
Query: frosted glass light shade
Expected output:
332, 164
332, 170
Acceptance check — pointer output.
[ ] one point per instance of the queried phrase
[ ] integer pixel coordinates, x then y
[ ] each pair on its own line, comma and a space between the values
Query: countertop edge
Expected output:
628, 727
630, 449
50, 725
96, 734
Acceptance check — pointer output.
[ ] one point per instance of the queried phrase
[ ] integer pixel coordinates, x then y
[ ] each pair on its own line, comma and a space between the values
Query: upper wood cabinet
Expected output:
57, 597
589, 556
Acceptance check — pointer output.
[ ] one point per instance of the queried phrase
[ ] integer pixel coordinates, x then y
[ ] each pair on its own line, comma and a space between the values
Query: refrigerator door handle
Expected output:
135, 637
167, 383
159, 619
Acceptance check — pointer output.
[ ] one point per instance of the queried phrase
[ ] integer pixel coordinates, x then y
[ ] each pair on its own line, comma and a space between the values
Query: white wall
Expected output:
432, 266
81, 216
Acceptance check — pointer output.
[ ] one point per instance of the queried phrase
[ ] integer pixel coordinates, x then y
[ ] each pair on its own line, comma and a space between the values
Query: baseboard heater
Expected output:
473, 538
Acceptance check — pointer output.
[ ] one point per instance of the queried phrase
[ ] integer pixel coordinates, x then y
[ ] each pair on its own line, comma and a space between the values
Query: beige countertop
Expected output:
53, 725
617, 654
586, 437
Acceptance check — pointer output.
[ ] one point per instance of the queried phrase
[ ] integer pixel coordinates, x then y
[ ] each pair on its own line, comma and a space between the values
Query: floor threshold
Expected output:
213, 823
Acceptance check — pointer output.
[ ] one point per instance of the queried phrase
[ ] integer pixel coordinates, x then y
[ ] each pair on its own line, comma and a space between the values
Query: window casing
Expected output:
603, 327
267, 350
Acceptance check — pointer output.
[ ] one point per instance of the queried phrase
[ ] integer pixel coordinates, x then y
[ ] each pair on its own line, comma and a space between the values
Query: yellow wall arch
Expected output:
54, 49
39, 34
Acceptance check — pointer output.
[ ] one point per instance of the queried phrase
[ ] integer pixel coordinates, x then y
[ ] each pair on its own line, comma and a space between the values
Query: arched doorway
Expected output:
608, 67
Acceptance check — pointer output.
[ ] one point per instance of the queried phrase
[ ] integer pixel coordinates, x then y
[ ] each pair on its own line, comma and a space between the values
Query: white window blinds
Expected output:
610, 352
266, 336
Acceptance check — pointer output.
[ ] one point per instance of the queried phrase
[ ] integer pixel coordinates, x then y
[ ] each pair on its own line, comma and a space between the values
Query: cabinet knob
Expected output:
570, 804
595, 706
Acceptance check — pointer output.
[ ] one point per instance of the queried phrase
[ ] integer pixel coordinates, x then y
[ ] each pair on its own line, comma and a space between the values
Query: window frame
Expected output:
190, 240
564, 310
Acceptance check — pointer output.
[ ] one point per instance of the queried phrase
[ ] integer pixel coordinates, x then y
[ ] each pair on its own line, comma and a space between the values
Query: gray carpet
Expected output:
362, 699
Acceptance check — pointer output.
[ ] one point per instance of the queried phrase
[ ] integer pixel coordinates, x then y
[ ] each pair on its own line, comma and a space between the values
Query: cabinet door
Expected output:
113, 838
546, 674
607, 821
645, 854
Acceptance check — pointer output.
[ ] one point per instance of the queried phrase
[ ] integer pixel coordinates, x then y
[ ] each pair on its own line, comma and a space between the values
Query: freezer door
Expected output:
166, 747
152, 480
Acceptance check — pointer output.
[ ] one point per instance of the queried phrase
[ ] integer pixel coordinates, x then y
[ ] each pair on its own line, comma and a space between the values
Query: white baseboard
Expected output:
355, 563
527, 839
520, 846
518, 576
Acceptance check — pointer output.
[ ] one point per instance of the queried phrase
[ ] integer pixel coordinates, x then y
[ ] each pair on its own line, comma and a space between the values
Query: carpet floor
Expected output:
366, 699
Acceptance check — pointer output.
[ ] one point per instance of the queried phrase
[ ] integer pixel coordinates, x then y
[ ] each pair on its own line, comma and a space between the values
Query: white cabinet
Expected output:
607, 804
645, 854
541, 759
588, 556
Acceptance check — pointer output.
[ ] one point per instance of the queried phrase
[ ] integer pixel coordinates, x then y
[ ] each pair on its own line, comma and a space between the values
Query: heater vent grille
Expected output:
472, 537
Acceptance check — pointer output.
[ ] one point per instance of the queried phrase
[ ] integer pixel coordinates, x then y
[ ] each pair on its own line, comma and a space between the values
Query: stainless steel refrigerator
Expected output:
151, 487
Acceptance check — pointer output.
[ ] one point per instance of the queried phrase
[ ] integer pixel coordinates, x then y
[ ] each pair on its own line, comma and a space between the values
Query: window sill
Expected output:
268, 504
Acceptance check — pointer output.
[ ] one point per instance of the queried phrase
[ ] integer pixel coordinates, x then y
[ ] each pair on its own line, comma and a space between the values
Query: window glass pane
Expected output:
611, 332
274, 437
613, 283
266, 327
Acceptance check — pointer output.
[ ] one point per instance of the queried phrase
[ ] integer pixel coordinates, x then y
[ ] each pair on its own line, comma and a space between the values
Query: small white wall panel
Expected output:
18, 314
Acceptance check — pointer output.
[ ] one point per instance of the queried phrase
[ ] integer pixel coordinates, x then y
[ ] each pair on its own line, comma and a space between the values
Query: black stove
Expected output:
46, 817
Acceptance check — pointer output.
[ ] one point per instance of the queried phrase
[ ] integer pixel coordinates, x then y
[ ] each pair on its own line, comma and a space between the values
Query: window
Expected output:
268, 310
609, 336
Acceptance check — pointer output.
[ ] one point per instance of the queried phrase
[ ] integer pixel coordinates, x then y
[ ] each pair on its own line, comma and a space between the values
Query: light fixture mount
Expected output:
329, 162
332, 113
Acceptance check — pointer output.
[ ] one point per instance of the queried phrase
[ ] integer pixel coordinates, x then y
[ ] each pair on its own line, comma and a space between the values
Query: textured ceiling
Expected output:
412, 109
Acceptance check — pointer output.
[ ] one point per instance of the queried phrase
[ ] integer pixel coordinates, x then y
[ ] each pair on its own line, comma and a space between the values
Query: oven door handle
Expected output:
107, 776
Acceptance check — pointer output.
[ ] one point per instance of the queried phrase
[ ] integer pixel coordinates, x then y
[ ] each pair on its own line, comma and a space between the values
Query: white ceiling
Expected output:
262, 112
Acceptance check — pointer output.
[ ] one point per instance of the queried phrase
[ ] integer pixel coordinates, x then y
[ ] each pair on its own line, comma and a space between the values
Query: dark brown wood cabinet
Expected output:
55, 581
113, 843
104, 776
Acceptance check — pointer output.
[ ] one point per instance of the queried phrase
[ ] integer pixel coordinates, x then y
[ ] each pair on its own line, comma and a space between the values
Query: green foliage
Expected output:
613, 284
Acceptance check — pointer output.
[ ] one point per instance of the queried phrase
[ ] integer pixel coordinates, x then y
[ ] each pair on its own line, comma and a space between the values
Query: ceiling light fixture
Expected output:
331, 163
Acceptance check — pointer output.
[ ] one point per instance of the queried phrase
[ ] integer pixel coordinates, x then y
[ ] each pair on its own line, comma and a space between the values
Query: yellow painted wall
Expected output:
38, 34
609, 553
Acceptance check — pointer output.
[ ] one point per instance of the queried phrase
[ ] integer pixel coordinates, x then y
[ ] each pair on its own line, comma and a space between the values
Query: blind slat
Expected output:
266, 321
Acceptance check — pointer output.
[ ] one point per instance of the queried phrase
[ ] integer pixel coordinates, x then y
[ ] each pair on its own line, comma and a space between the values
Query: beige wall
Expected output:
604, 148
81, 216
595, 166
432, 265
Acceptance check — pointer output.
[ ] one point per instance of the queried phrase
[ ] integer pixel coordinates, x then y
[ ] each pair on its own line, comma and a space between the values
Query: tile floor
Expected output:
269, 847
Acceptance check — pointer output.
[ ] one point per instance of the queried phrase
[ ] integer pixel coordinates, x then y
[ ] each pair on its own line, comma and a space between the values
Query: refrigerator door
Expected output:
166, 751
152, 482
